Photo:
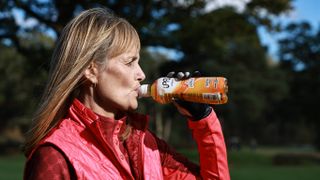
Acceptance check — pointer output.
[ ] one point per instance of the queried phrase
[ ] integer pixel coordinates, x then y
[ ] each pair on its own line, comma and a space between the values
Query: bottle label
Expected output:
166, 85
210, 90
212, 96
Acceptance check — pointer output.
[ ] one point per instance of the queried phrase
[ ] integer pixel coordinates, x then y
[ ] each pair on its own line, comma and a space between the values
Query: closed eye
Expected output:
132, 61
129, 63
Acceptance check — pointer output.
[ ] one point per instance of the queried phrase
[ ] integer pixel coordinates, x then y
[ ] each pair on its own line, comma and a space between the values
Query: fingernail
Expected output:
170, 74
187, 74
180, 75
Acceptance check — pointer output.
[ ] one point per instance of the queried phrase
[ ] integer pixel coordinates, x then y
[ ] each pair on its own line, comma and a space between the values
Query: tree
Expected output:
225, 43
300, 58
21, 82
222, 42
29, 42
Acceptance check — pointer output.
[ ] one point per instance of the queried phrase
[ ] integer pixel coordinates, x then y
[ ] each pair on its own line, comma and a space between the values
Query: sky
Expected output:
304, 10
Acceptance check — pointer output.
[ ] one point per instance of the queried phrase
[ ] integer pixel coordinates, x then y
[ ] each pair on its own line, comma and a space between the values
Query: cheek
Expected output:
117, 84
123, 82
116, 87
118, 76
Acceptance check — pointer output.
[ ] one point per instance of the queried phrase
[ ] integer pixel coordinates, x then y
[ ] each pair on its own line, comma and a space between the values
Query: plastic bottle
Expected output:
209, 90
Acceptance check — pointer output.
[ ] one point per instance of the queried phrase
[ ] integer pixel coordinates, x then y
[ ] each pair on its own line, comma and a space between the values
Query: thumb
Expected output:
182, 110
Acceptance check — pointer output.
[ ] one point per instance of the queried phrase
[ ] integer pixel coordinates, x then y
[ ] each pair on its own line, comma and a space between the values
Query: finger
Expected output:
182, 110
180, 75
187, 75
196, 74
170, 74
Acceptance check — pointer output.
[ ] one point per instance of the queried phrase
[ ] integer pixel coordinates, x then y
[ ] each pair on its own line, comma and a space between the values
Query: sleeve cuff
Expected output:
205, 123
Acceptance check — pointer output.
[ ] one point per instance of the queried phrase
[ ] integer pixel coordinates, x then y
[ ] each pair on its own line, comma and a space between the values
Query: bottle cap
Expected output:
143, 91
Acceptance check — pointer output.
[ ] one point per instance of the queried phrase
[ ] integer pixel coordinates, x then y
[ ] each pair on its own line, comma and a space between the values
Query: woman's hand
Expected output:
194, 111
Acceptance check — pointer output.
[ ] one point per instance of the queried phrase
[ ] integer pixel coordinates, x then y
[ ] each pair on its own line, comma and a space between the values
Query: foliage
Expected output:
300, 58
222, 42
23, 78
230, 47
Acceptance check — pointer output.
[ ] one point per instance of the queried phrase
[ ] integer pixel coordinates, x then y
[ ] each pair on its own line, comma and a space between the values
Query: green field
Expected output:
257, 165
247, 164
244, 165
11, 167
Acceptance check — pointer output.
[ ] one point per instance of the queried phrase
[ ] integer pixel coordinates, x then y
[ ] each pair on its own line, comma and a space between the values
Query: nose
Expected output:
140, 74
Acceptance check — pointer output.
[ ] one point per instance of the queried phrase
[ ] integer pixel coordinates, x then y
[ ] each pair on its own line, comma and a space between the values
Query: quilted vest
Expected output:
90, 142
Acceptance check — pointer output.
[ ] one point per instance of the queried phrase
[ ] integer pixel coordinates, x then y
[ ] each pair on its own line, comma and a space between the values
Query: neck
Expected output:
96, 105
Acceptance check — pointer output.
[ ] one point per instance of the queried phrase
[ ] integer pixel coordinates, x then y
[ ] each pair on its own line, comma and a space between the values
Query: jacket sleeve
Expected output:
211, 147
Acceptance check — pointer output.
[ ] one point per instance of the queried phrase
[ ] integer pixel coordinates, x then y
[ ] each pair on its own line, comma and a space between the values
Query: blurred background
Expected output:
269, 50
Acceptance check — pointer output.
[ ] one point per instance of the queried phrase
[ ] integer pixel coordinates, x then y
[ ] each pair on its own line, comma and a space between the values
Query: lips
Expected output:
137, 89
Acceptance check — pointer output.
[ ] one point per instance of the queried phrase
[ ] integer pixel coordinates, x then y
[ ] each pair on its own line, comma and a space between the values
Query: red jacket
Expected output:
91, 144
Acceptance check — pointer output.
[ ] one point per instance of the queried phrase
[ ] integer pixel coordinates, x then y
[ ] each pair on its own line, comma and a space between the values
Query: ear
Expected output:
91, 73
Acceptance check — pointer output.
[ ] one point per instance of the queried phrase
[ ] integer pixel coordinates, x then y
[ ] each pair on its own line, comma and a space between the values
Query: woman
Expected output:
85, 127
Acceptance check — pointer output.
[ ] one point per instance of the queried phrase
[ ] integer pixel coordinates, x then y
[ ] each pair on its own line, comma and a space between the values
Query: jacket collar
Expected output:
86, 117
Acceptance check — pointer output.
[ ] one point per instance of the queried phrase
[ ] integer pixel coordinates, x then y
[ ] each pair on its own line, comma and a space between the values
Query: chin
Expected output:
133, 106
129, 105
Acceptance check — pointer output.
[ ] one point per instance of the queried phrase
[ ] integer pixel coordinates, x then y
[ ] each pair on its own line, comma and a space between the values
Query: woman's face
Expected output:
119, 81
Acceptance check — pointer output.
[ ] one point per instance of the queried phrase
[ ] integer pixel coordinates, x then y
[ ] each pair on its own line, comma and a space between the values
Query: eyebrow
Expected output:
134, 58
128, 59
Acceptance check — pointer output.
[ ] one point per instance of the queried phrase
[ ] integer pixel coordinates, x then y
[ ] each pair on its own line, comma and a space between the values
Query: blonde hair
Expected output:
93, 36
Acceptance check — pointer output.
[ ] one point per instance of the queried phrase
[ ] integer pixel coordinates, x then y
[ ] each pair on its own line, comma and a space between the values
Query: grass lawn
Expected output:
244, 165
275, 173
11, 167
247, 164
257, 165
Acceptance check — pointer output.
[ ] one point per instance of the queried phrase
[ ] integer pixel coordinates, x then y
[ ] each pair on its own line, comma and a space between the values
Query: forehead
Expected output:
133, 51
127, 55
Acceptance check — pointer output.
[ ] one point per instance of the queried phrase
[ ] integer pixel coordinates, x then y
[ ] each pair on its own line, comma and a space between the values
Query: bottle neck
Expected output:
144, 90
